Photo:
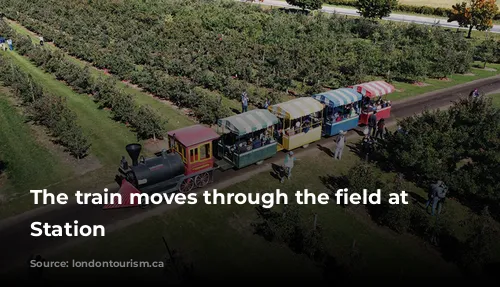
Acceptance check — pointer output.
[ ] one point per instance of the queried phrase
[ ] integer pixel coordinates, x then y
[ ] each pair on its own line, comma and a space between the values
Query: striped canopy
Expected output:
296, 108
374, 89
248, 122
338, 97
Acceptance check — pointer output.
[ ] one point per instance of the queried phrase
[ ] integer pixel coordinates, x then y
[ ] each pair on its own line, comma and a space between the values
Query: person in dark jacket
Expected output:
380, 129
372, 123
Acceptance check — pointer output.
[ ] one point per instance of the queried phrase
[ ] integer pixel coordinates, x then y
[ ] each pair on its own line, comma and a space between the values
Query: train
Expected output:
195, 152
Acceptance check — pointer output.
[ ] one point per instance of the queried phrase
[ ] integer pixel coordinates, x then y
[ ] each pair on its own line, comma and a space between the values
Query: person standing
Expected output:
9, 42
380, 129
289, 164
340, 145
372, 123
244, 102
2, 44
437, 194
266, 104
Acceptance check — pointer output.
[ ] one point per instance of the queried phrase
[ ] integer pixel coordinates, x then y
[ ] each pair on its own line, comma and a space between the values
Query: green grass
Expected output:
409, 90
496, 99
219, 239
28, 164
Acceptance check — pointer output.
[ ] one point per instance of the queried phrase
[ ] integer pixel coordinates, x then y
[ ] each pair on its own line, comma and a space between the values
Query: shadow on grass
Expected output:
325, 150
277, 171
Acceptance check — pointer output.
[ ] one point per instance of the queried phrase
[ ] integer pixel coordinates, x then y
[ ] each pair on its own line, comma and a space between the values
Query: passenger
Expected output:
353, 113
257, 144
338, 119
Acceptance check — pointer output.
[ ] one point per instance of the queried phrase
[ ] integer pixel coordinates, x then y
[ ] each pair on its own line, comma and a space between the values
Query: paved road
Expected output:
16, 245
393, 17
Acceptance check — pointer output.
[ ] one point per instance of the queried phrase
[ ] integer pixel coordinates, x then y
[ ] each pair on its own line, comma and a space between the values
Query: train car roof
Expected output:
194, 135
374, 89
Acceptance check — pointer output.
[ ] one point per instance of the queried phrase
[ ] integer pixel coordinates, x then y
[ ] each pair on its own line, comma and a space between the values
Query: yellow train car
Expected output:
300, 124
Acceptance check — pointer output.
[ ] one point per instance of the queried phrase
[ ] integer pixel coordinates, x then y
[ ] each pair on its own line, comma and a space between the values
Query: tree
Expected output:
460, 146
148, 123
375, 8
306, 4
480, 242
474, 14
486, 51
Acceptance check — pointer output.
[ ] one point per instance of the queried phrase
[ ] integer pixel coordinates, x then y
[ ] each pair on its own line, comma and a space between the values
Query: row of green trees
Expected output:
45, 109
146, 121
227, 47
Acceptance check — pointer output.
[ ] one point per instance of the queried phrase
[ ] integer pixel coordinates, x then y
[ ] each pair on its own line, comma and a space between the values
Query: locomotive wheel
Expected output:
202, 179
187, 185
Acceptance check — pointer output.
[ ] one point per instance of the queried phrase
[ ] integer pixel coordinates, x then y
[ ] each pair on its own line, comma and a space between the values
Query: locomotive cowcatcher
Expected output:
188, 163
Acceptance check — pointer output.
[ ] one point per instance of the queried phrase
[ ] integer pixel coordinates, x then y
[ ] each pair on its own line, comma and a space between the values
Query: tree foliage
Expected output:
45, 109
477, 14
487, 51
376, 9
460, 146
104, 89
169, 48
306, 4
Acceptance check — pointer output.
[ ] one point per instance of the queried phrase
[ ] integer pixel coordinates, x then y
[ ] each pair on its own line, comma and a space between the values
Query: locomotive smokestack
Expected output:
133, 151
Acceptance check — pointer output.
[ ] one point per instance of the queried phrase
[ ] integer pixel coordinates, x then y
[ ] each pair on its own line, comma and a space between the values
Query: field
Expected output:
108, 137
177, 68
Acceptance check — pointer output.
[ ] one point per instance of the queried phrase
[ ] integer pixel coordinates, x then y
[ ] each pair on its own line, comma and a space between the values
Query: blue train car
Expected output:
342, 109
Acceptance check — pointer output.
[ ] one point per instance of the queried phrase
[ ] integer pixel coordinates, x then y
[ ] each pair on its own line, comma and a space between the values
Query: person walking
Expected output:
9, 42
244, 102
380, 129
340, 145
372, 123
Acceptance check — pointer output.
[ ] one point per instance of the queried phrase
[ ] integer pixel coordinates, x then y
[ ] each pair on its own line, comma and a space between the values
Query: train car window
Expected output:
194, 155
205, 151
